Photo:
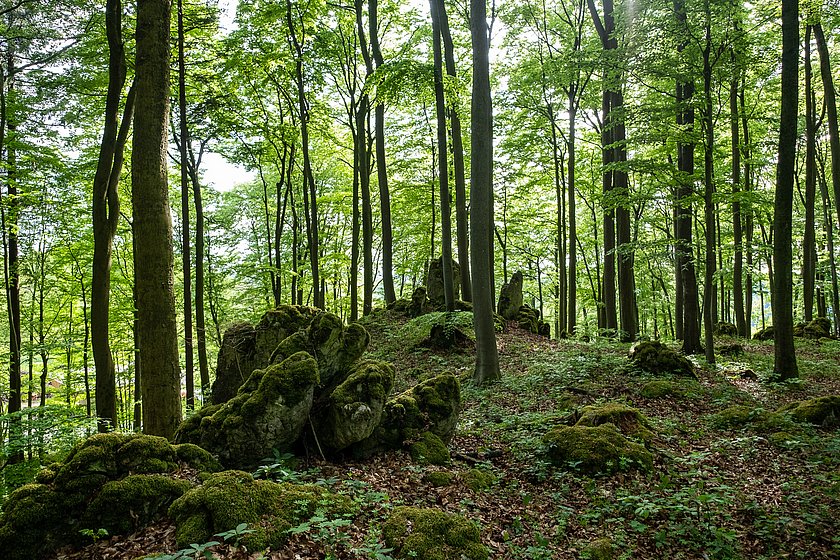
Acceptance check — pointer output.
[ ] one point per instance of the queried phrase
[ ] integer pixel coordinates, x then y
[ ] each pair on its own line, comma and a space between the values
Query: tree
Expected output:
784, 365
156, 324
481, 194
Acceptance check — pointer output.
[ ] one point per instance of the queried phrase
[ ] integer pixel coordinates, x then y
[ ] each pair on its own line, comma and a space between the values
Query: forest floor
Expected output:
714, 492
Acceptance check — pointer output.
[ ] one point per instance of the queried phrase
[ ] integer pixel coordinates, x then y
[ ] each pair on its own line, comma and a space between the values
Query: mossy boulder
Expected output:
229, 498
815, 330
510, 297
655, 357
246, 348
821, 411
428, 449
439, 479
627, 419
767, 333
478, 479
595, 450
268, 413
116, 482
756, 419
434, 283
354, 409
430, 406
432, 535
660, 389
723, 328
599, 549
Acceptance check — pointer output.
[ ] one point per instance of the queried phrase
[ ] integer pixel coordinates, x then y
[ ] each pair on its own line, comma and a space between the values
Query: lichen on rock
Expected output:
432, 535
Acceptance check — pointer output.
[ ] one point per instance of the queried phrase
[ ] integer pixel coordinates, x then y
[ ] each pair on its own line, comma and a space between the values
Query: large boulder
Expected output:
510, 297
434, 283
767, 333
628, 420
598, 449
821, 411
655, 357
816, 329
531, 320
269, 412
229, 498
116, 482
723, 328
246, 348
354, 409
430, 406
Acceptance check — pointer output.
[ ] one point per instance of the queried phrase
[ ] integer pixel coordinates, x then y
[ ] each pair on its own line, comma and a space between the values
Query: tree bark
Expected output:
709, 206
481, 194
784, 365
737, 222
363, 164
157, 328
809, 246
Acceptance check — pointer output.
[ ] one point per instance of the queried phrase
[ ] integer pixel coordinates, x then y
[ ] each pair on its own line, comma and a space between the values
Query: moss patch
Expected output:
432, 535
229, 498
478, 479
599, 549
822, 411
655, 357
599, 449
439, 478
429, 449
627, 419
756, 419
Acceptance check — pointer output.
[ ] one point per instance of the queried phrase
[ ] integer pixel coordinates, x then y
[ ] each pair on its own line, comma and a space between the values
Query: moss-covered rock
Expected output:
510, 297
815, 330
432, 535
434, 283
246, 348
439, 479
767, 333
268, 413
723, 328
822, 411
229, 498
660, 389
599, 449
429, 449
599, 549
430, 406
354, 409
627, 419
478, 479
116, 482
655, 357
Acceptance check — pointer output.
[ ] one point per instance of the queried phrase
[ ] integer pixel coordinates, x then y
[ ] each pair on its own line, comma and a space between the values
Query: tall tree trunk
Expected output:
363, 163
628, 309
749, 220
830, 100
481, 195
829, 234
709, 206
571, 323
461, 215
200, 321
157, 328
737, 229
443, 167
381, 167
784, 365
809, 246
186, 258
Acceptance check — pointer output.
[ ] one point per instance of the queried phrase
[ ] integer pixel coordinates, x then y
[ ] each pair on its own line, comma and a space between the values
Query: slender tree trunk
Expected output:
363, 163
381, 167
829, 233
809, 246
200, 320
830, 100
737, 229
709, 206
481, 194
748, 221
443, 167
571, 323
785, 357
157, 329
461, 215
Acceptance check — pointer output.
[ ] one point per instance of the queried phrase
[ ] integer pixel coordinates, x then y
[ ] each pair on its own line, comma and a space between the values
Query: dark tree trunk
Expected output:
443, 167
709, 298
363, 164
381, 167
153, 257
785, 357
737, 229
809, 246
200, 321
481, 194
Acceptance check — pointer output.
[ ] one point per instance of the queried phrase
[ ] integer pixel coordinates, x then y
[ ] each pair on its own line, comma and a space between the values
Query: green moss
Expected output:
756, 419
822, 411
439, 478
781, 439
432, 535
130, 503
658, 389
599, 449
599, 549
289, 380
655, 357
478, 480
147, 455
196, 457
627, 419
429, 449
229, 498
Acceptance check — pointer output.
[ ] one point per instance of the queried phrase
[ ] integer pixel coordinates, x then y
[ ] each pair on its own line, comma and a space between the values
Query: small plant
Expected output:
236, 534
328, 531
94, 534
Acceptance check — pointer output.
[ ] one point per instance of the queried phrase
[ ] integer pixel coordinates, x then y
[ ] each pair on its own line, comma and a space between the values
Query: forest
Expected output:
405, 279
